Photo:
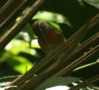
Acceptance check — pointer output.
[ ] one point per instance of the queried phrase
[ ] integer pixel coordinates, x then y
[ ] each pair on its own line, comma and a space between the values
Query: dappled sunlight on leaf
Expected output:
55, 25
34, 44
58, 88
15, 46
27, 33
52, 16
20, 64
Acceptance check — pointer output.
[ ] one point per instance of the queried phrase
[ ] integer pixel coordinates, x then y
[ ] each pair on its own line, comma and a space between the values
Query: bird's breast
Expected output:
53, 39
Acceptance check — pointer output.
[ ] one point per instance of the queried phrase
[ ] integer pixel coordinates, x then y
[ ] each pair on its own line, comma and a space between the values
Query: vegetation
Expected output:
22, 51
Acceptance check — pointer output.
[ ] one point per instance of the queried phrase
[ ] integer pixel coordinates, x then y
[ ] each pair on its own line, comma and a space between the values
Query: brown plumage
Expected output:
48, 37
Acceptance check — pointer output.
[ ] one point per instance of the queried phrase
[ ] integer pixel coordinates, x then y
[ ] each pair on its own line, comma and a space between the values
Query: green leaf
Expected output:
51, 16
16, 46
81, 2
27, 33
19, 64
94, 3
55, 25
60, 81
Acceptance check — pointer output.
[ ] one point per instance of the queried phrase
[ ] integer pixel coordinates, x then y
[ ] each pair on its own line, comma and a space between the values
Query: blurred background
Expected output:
67, 16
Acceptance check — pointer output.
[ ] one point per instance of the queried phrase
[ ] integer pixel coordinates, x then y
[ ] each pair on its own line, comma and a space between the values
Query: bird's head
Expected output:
40, 28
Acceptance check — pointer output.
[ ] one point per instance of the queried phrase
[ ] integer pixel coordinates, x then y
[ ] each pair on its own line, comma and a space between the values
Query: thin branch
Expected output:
77, 62
10, 11
91, 42
56, 52
85, 83
20, 24
85, 66
34, 82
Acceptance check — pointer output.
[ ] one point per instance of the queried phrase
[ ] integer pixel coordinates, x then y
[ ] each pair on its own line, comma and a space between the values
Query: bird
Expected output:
49, 37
